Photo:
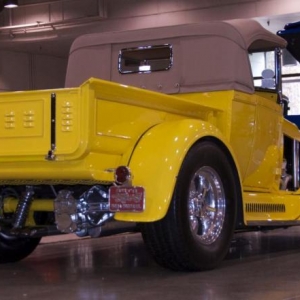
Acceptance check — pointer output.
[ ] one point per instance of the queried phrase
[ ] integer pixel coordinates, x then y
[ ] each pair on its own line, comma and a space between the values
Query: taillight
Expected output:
122, 175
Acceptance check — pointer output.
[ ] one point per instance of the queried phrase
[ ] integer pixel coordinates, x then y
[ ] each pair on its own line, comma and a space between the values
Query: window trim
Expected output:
121, 52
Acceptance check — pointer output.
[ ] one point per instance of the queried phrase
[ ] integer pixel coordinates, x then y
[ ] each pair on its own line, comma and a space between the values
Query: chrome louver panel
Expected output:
265, 208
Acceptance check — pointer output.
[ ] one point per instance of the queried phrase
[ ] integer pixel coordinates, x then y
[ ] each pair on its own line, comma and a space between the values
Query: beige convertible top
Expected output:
207, 56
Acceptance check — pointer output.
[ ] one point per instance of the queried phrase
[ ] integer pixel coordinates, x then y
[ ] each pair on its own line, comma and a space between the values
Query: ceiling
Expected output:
49, 27
275, 23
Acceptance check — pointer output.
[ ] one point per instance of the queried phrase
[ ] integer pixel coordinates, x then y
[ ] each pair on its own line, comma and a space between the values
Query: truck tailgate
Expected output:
34, 123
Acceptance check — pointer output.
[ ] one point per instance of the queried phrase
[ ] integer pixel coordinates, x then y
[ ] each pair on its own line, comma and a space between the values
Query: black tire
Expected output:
196, 232
13, 249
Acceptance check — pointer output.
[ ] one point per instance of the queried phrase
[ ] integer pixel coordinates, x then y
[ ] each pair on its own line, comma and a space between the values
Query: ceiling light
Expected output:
10, 3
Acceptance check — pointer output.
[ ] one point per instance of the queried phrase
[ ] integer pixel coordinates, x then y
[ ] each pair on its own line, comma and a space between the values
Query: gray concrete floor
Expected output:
259, 266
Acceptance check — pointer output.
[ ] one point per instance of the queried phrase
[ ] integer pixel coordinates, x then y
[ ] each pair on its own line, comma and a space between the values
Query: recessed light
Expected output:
10, 3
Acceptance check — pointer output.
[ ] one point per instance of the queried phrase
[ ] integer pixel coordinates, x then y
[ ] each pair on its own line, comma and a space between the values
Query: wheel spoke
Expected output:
206, 205
200, 228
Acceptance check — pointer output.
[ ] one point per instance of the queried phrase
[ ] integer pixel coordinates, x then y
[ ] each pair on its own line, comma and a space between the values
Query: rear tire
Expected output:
197, 230
13, 249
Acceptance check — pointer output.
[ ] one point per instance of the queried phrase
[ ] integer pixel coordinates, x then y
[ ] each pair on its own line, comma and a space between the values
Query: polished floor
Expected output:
259, 266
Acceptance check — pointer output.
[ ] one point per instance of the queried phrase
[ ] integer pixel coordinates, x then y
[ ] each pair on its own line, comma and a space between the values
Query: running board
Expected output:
271, 209
273, 223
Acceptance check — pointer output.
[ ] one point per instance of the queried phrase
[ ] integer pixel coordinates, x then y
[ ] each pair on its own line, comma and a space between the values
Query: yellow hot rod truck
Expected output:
164, 127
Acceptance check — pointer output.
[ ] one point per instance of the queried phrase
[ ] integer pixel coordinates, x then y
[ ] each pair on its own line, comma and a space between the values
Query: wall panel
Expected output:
24, 71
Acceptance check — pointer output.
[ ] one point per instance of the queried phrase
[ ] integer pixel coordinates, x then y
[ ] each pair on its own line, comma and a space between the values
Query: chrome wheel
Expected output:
206, 205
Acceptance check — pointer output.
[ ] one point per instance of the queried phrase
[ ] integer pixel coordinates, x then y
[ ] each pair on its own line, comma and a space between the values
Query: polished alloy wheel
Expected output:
206, 205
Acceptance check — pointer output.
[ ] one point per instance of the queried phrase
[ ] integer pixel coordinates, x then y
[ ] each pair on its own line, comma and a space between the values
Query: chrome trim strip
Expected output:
278, 74
114, 136
141, 48
296, 164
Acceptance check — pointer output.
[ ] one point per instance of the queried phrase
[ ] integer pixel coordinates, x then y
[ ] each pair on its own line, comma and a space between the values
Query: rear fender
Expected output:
156, 161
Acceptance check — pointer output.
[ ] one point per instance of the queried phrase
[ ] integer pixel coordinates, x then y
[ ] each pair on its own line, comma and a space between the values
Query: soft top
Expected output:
248, 33
207, 55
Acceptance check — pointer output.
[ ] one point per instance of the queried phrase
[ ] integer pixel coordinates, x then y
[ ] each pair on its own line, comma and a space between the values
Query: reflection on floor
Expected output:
258, 266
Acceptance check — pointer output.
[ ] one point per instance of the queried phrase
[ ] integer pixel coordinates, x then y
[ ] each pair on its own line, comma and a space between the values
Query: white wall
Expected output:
23, 71
48, 72
14, 71
132, 14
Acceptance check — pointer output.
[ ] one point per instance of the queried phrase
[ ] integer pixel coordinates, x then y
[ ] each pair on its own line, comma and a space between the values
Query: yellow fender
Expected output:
156, 161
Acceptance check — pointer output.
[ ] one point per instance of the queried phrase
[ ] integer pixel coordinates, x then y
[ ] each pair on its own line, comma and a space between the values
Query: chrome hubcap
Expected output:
206, 205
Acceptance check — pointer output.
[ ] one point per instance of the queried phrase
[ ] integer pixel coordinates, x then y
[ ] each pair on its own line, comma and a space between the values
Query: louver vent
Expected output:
265, 208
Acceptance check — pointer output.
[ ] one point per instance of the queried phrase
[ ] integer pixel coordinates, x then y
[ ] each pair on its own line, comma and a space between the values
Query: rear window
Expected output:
145, 59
